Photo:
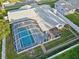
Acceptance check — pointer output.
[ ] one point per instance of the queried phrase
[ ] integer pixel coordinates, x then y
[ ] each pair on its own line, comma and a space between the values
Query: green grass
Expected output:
64, 38
74, 18
38, 51
71, 54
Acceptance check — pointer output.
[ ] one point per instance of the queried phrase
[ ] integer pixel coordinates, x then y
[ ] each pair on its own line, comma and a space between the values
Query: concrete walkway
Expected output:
43, 48
3, 48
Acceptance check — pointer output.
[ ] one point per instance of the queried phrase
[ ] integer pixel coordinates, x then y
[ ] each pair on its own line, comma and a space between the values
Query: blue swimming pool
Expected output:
25, 38
23, 32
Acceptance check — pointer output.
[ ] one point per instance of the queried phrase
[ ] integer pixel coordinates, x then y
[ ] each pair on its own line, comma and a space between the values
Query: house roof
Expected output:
66, 5
70, 4
75, 3
49, 18
42, 14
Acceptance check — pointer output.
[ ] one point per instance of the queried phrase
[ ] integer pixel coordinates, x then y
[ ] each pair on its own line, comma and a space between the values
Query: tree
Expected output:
1, 1
4, 28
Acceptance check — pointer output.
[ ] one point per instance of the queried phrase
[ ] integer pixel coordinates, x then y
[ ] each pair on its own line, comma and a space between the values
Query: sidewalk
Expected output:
3, 48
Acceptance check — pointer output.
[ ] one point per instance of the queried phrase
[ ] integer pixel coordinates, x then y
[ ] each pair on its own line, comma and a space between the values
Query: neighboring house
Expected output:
7, 4
66, 7
23, 2
75, 3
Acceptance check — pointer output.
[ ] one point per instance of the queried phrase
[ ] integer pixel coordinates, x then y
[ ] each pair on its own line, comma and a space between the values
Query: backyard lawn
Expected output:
66, 35
35, 53
71, 54
74, 18
11, 53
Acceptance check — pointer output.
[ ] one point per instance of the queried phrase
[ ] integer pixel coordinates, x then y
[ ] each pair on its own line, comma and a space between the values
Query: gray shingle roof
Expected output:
48, 16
